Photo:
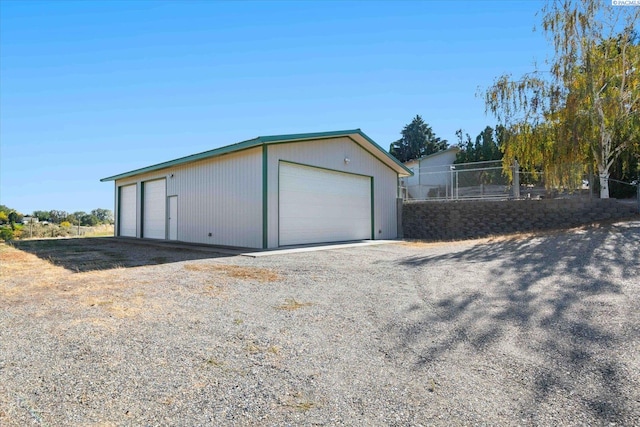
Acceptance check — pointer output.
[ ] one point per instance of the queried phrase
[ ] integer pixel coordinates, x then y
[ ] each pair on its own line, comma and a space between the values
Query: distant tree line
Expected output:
95, 217
11, 221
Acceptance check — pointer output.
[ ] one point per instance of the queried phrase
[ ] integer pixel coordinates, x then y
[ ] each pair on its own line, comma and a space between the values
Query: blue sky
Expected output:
92, 89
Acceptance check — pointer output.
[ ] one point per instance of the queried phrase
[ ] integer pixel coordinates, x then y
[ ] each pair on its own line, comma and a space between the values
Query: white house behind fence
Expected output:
431, 175
265, 192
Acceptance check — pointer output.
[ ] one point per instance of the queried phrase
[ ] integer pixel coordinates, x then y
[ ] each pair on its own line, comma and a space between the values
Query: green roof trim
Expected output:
256, 142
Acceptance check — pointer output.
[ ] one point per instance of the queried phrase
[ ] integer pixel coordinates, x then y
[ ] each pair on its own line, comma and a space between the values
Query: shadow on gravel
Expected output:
554, 297
104, 253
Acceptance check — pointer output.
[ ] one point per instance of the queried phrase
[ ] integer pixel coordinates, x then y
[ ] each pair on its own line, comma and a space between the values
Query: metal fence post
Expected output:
516, 179
452, 168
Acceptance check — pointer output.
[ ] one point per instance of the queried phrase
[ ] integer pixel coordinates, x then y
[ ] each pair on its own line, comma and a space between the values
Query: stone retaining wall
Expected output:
470, 219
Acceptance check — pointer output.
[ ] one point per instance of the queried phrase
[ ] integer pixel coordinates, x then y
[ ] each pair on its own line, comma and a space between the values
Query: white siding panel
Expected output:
221, 196
317, 205
331, 154
154, 220
127, 208
173, 218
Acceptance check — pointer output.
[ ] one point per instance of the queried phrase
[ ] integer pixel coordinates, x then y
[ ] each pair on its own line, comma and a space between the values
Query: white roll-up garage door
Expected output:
318, 205
127, 208
154, 209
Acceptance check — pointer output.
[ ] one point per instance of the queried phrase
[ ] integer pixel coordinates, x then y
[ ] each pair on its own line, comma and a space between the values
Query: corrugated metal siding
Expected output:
221, 196
330, 154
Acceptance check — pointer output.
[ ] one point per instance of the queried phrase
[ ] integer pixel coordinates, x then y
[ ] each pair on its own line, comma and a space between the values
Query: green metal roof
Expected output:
264, 140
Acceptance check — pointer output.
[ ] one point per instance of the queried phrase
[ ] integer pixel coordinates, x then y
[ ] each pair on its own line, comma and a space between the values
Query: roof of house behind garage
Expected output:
437, 153
356, 135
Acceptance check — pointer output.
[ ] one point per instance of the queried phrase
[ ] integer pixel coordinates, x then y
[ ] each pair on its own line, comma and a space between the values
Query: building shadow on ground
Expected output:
104, 253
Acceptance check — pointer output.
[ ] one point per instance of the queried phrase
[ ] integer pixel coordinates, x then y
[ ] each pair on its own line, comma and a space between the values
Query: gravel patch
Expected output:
529, 330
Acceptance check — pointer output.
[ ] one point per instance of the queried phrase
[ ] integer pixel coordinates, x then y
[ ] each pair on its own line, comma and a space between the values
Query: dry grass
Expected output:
291, 304
100, 231
304, 406
27, 273
214, 362
236, 271
214, 290
479, 241
26, 277
87, 277
299, 402
506, 237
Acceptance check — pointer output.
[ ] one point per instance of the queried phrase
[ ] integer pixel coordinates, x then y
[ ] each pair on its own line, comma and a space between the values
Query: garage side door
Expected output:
318, 205
127, 208
154, 209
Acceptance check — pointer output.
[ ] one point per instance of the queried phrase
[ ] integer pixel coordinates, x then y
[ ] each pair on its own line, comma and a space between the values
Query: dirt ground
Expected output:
539, 329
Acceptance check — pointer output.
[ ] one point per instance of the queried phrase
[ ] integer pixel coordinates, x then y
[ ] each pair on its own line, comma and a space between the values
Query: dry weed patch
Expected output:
214, 290
236, 271
22, 273
299, 402
24, 276
118, 304
214, 362
506, 237
291, 304
254, 347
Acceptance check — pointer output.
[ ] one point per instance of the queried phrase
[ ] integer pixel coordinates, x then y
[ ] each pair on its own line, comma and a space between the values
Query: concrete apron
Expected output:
249, 252
316, 247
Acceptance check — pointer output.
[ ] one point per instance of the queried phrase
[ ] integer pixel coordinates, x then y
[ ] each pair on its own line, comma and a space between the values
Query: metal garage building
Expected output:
266, 192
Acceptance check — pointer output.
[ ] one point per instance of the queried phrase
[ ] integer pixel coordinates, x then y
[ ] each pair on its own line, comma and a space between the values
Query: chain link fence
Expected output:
489, 180
480, 180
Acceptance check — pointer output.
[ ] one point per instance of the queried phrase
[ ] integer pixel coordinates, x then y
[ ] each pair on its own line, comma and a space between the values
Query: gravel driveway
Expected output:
533, 330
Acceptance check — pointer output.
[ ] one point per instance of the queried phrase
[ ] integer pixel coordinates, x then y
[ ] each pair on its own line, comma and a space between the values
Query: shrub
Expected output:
65, 224
6, 233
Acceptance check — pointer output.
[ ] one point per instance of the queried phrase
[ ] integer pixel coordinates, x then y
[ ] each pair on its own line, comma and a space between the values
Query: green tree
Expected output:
586, 108
105, 216
78, 214
74, 218
41, 215
14, 217
486, 146
89, 220
57, 216
10, 216
467, 149
6, 233
418, 140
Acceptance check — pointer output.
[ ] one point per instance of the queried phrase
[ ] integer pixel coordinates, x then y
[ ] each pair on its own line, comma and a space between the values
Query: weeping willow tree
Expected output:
584, 111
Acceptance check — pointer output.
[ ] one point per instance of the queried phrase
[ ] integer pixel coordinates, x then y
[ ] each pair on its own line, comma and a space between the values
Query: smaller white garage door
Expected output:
318, 205
155, 206
127, 208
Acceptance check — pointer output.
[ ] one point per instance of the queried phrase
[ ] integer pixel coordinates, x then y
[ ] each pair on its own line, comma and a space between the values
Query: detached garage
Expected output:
266, 192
